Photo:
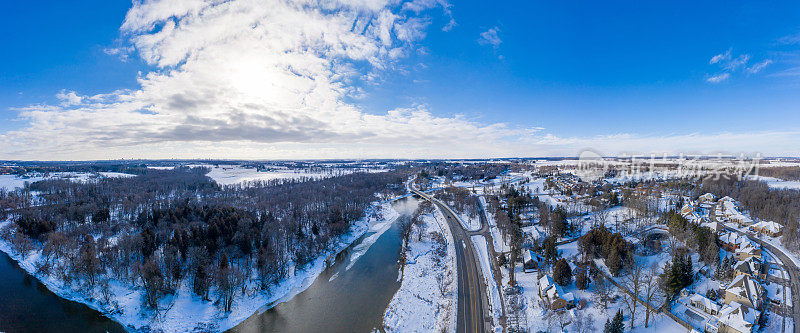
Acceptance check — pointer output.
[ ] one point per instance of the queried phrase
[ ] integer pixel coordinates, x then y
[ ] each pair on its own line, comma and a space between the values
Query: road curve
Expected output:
472, 301
791, 268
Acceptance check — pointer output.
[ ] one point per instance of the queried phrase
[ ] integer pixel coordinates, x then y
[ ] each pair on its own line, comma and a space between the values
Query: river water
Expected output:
26, 305
342, 299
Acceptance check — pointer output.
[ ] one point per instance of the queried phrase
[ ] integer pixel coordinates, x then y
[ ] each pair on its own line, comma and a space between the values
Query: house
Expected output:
706, 198
741, 219
712, 325
553, 296
687, 209
545, 283
705, 304
768, 228
737, 318
740, 245
746, 291
529, 261
714, 226
749, 267
731, 212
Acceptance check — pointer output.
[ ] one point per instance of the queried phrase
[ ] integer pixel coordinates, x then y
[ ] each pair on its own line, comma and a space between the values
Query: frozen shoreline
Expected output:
419, 305
186, 312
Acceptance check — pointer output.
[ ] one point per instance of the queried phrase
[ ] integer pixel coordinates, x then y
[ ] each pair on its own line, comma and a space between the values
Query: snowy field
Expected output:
186, 312
778, 183
11, 182
419, 305
235, 174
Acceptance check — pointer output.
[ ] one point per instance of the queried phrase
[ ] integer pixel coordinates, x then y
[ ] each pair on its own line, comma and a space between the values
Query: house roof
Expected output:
707, 303
738, 240
707, 197
747, 266
712, 225
769, 226
746, 287
739, 317
545, 282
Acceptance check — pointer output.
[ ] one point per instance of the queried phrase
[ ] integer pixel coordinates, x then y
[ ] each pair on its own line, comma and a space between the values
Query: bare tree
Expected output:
599, 216
633, 282
652, 291
563, 318
602, 289
584, 323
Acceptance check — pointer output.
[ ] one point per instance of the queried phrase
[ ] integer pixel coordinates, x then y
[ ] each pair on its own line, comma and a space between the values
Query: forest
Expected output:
165, 227
785, 173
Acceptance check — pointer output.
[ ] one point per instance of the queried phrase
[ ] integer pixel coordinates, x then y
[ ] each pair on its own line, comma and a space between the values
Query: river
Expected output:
342, 299
26, 305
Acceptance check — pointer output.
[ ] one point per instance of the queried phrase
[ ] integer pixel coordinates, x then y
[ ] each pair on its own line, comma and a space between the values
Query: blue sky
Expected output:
574, 71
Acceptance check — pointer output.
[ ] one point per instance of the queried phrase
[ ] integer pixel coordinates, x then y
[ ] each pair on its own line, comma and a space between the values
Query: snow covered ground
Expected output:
420, 305
777, 183
486, 270
185, 312
540, 319
469, 222
235, 174
11, 182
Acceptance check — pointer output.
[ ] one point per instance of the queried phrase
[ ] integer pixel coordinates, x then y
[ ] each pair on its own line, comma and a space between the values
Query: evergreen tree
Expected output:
616, 325
562, 273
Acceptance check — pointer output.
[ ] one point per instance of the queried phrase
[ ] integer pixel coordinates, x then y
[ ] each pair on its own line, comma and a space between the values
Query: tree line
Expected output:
163, 228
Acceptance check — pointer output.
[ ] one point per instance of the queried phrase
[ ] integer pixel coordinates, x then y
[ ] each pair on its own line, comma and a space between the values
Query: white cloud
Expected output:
419, 6
720, 57
789, 40
244, 73
273, 79
68, 98
758, 67
490, 37
738, 62
717, 78
730, 64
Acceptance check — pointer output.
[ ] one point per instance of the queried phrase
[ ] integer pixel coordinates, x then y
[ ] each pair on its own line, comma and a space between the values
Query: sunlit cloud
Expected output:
242, 72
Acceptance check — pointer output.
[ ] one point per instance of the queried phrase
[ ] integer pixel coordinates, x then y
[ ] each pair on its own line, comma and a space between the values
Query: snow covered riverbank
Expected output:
183, 311
427, 298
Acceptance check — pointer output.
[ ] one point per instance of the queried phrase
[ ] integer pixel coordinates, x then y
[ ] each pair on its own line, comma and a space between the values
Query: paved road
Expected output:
791, 268
473, 315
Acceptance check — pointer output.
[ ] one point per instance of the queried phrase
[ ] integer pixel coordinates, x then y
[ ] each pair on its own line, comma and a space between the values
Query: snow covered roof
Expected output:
545, 283
707, 197
526, 255
747, 266
712, 225
738, 240
768, 226
746, 287
705, 301
739, 317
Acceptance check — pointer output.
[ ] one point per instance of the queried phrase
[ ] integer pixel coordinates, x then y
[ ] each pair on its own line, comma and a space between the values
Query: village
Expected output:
585, 256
